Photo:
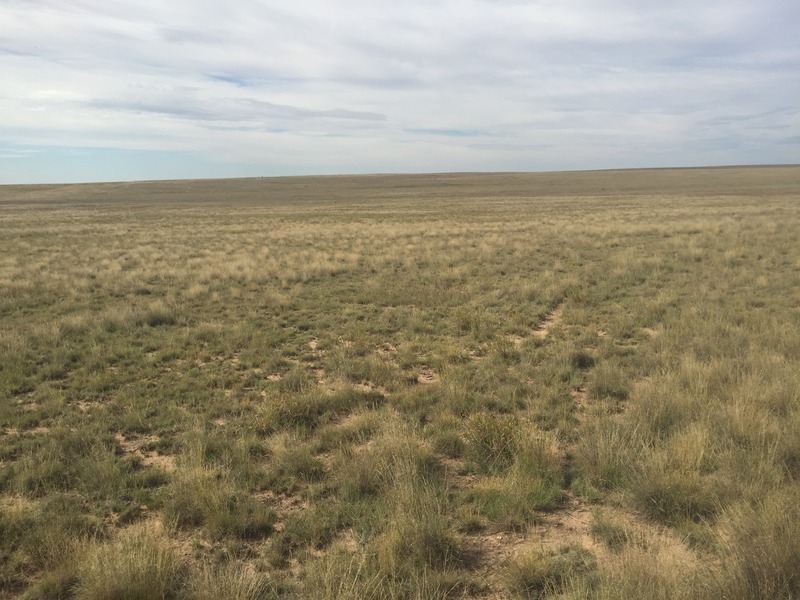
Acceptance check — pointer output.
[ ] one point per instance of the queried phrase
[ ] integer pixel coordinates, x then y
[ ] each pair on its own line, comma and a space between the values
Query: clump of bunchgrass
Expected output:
491, 440
205, 496
674, 484
610, 532
609, 381
418, 535
292, 463
532, 482
230, 581
761, 548
140, 564
536, 575
605, 452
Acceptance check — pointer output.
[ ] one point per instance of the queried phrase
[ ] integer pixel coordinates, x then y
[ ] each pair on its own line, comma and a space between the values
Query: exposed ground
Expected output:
576, 385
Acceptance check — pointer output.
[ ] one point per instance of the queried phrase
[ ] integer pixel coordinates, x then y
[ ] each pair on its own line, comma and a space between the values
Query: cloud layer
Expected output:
268, 88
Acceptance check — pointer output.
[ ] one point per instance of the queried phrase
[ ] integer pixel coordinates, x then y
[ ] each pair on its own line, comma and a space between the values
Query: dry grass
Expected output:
582, 385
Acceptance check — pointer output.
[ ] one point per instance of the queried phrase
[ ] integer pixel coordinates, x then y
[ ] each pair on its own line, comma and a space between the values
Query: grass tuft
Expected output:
536, 575
140, 564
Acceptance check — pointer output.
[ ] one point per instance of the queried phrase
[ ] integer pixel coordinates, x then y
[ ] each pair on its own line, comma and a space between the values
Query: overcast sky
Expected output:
97, 90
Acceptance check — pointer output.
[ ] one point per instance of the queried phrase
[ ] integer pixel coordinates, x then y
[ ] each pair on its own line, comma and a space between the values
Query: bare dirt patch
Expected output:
455, 476
134, 444
570, 524
13, 502
517, 340
488, 552
579, 396
476, 356
313, 345
159, 461
427, 376
13, 431
386, 350
286, 505
137, 446
367, 386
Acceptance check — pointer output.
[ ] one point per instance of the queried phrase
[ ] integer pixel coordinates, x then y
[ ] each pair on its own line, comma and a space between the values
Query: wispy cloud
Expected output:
448, 132
16, 153
229, 109
311, 86
733, 119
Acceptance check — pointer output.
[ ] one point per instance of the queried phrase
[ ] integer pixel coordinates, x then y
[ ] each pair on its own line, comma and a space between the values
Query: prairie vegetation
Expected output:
574, 386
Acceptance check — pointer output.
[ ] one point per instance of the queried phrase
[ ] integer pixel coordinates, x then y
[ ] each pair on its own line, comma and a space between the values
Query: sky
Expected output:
109, 90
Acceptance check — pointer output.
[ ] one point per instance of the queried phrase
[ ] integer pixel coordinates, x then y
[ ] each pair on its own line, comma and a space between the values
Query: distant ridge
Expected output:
745, 180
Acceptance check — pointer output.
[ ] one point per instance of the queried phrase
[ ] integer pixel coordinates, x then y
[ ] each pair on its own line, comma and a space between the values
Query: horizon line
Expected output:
408, 174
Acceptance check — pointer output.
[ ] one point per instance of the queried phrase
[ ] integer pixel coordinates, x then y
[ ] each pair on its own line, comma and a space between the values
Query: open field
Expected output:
571, 385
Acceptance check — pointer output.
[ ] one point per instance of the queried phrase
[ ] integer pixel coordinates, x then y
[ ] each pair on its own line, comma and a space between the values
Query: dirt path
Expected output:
549, 321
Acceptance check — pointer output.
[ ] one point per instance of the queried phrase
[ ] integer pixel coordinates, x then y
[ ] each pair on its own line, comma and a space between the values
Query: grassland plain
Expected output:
574, 385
